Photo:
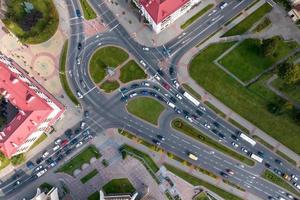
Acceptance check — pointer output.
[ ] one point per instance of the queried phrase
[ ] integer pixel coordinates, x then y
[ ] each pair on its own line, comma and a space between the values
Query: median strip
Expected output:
196, 16
183, 127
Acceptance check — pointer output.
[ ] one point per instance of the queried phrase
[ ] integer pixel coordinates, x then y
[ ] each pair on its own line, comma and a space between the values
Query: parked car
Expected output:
45, 154
30, 165
78, 14
57, 141
279, 162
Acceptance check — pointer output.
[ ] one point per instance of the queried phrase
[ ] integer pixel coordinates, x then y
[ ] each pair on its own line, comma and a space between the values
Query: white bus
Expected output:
247, 139
192, 156
191, 98
257, 158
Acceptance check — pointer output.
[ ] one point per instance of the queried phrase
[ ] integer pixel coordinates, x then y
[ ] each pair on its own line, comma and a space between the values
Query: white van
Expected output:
172, 105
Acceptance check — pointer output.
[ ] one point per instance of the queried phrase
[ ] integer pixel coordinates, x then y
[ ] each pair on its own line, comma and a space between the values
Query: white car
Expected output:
176, 84
146, 84
157, 77
78, 144
45, 154
78, 61
189, 118
132, 95
294, 177
223, 5
244, 150
57, 141
79, 95
82, 125
234, 144
206, 125
145, 48
143, 63
56, 147
178, 96
297, 186
202, 108
38, 168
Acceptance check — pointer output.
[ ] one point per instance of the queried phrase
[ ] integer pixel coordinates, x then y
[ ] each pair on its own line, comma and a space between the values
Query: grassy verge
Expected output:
110, 86
118, 186
266, 22
42, 30
146, 108
248, 22
263, 142
89, 176
104, 58
277, 180
191, 91
94, 196
185, 128
215, 109
239, 126
81, 158
286, 157
292, 90
196, 16
244, 100
198, 182
131, 71
62, 74
38, 141
88, 12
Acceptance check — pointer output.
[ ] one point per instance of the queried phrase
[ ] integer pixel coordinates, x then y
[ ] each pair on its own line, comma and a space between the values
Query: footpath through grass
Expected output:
243, 101
81, 158
185, 128
146, 108
118, 186
248, 22
199, 182
196, 16
131, 71
104, 58
35, 27
293, 91
88, 11
277, 180
62, 74
89, 176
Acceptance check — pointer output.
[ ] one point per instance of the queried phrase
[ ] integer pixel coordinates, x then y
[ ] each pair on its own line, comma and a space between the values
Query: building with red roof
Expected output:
162, 13
35, 109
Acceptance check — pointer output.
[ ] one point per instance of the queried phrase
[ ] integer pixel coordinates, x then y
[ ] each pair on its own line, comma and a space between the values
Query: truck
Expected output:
247, 139
192, 156
256, 158
191, 98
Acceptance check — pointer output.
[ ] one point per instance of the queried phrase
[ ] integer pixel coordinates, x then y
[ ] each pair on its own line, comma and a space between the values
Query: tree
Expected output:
289, 72
269, 46
17, 160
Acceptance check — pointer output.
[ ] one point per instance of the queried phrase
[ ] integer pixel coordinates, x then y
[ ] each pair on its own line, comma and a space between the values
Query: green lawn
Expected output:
62, 74
88, 11
89, 176
243, 100
142, 156
38, 141
196, 16
118, 186
105, 57
248, 22
81, 158
146, 108
110, 86
247, 61
42, 30
266, 22
277, 180
293, 91
198, 182
131, 71
94, 196
185, 128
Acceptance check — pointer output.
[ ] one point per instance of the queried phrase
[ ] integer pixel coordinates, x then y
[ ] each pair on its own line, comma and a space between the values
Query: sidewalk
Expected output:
183, 77
160, 158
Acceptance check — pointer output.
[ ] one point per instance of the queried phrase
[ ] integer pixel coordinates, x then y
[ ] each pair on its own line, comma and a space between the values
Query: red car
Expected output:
64, 142
166, 85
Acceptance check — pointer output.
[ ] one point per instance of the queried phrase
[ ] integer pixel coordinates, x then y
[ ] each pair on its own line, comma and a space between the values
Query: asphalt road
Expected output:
110, 112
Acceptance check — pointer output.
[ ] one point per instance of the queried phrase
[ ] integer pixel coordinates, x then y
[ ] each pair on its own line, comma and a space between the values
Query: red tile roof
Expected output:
160, 9
33, 110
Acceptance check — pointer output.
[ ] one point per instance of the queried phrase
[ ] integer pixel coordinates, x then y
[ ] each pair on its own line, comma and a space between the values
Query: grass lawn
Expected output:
94, 196
247, 61
89, 176
42, 30
105, 57
81, 158
250, 103
293, 91
141, 155
248, 22
118, 186
62, 74
109, 86
196, 16
277, 180
146, 108
196, 182
88, 12
239, 126
38, 141
185, 128
131, 71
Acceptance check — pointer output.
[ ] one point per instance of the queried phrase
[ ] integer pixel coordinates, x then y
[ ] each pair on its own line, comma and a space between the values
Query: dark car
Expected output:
160, 72
39, 160
30, 165
194, 116
124, 90
160, 137
279, 162
74, 141
167, 86
267, 165
79, 46
78, 14
277, 171
216, 124
221, 135
86, 113
261, 154
124, 98
171, 71
215, 131
185, 112
59, 158
173, 99
234, 137
153, 94
144, 92
156, 88
199, 112
156, 142
135, 85
224, 174
69, 133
